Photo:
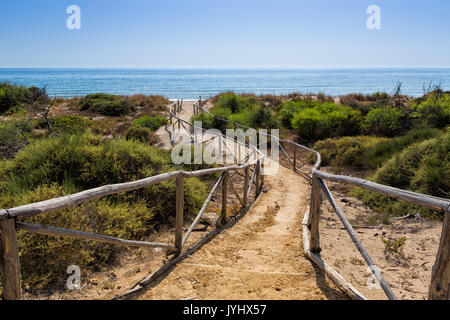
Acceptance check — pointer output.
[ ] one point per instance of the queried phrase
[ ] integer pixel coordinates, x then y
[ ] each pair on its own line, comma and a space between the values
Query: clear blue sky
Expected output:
224, 33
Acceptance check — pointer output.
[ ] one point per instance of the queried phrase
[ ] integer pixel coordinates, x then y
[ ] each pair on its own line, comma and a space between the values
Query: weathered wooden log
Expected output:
314, 216
408, 196
223, 213
85, 196
258, 176
295, 159
9, 261
384, 285
337, 279
440, 278
60, 232
179, 213
251, 183
246, 177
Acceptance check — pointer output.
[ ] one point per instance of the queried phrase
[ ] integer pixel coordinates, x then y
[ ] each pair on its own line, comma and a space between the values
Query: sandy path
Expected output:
261, 257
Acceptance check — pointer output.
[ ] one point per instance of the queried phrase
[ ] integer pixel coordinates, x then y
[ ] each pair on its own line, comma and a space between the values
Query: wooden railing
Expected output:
11, 219
292, 153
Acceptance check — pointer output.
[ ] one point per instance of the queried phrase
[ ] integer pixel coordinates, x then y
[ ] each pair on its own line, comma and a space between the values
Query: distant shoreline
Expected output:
175, 83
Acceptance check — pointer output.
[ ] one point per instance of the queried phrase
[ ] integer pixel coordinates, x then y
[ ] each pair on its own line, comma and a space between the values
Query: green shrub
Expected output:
287, 112
240, 109
151, 122
66, 164
347, 152
326, 120
383, 122
140, 134
66, 124
14, 136
105, 104
433, 109
364, 152
423, 167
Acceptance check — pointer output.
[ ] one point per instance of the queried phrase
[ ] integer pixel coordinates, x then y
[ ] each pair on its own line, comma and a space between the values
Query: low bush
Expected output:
65, 164
383, 122
326, 120
367, 152
422, 167
347, 152
140, 134
433, 109
105, 104
151, 122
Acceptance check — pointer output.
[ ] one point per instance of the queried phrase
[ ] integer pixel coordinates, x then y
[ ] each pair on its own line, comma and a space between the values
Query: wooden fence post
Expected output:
223, 214
246, 177
440, 278
314, 216
179, 217
295, 159
258, 173
9, 261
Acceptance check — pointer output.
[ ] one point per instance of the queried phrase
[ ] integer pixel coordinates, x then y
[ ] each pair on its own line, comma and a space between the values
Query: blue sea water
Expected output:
189, 83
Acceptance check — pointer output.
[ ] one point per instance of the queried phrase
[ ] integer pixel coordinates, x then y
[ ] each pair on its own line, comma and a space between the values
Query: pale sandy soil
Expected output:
408, 272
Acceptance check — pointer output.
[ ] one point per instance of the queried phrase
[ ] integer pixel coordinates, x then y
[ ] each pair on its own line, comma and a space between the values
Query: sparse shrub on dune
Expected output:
383, 122
423, 167
151, 122
140, 134
326, 120
106, 104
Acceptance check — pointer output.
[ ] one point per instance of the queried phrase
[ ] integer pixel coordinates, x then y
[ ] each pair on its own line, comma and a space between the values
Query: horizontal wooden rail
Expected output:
411, 197
60, 232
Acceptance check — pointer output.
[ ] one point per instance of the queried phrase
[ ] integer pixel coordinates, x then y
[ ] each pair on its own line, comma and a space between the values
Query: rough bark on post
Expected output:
295, 159
314, 216
246, 177
258, 173
440, 278
179, 217
10, 265
223, 215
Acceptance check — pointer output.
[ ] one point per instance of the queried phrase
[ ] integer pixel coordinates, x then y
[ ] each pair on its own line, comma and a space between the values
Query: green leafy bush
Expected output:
326, 120
347, 152
106, 104
151, 122
365, 152
240, 109
383, 122
140, 134
14, 136
423, 167
433, 109
65, 164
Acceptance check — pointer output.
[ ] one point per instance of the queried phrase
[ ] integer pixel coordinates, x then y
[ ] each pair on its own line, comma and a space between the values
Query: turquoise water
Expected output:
189, 83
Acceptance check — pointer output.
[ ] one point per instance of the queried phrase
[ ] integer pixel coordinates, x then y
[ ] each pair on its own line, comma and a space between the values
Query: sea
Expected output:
190, 83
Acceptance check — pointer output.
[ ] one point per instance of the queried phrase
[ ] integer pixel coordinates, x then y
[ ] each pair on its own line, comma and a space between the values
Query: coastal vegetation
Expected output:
390, 139
65, 147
